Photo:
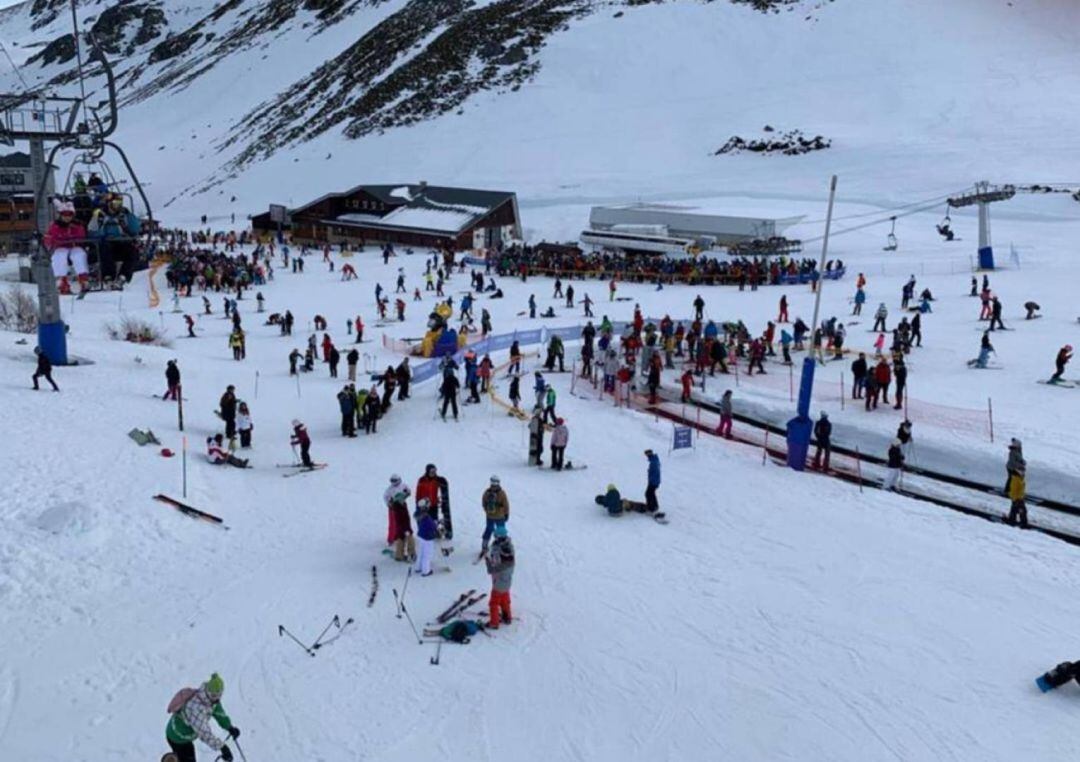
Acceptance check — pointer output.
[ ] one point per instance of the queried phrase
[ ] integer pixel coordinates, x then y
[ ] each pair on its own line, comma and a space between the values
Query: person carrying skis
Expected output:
191, 710
435, 490
426, 532
500, 565
651, 503
172, 381
219, 456
300, 437
823, 437
560, 437
44, 368
496, 511
1063, 357
723, 429
895, 462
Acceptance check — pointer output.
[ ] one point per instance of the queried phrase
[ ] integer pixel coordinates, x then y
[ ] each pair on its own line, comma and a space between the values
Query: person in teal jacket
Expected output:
192, 720
115, 229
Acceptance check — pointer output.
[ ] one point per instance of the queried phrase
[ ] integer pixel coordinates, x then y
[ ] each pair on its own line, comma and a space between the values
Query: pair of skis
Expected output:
191, 511
319, 641
300, 468
458, 607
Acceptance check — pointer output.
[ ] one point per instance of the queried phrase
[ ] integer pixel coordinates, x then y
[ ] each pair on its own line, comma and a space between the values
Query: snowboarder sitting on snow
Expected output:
219, 456
500, 565
191, 711
611, 500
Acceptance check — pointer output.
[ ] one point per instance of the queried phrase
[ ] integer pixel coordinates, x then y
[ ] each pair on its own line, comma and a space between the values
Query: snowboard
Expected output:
633, 506
1056, 677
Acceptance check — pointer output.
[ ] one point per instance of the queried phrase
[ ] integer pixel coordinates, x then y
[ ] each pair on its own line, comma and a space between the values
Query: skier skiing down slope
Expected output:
191, 710
1062, 359
436, 490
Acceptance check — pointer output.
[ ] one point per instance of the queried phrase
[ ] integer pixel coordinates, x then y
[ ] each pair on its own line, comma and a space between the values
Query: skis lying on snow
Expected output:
463, 601
374, 586
194, 513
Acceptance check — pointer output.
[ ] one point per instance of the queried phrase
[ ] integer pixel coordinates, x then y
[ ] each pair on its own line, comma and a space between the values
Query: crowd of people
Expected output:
522, 260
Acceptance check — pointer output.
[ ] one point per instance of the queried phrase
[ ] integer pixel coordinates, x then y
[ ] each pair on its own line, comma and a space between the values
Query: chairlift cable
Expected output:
78, 53
15, 68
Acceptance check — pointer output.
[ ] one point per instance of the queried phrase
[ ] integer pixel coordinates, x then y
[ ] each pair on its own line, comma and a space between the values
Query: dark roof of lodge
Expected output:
431, 208
16, 160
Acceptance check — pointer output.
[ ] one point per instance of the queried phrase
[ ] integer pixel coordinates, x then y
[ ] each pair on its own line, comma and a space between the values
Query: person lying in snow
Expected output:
218, 455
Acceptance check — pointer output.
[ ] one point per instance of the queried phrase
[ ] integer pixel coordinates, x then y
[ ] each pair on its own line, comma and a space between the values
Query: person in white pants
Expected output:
427, 530
894, 465
64, 239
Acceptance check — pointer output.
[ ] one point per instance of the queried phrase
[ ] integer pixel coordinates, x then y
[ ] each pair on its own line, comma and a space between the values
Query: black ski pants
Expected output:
448, 401
185, 752
48, 377
651, 504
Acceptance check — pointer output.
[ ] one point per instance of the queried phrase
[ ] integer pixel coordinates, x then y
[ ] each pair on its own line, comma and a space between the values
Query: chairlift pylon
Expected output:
891, 244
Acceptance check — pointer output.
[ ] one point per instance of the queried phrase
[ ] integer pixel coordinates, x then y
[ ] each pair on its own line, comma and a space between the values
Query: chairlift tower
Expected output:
69, 123
984, 195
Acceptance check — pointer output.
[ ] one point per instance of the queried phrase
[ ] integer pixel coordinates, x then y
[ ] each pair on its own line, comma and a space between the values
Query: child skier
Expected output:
300, 437
427, 531
500, 565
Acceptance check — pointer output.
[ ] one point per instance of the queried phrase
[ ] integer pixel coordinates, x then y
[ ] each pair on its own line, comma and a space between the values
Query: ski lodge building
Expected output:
421, 215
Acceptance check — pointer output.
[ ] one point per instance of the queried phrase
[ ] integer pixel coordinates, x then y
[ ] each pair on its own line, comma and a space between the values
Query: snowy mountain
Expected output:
564, 99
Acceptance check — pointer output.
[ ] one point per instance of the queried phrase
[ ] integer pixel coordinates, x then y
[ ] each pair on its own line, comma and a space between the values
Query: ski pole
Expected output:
405, 611
333, 622
236, 743
438, 650
282, 630
405, 587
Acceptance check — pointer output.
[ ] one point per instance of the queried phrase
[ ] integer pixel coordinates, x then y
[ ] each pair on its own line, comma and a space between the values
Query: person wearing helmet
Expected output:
500, 565
496, 511
1016, 466
191, 711
1063, 357
894, 465
300, 437
611, 500
436, 490
426, 532
64, 240
397, 493
115, 228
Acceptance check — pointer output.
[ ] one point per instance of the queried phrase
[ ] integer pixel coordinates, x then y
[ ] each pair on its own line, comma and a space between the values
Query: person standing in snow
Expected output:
500, 563
895, 463
435, 490
403, 373
44, 368
699, 308
723, 429
823, 437
449, 391
172, 381
536, 438
496, 507
347, 405
244, 426
995, 314
403, 539
227, 407
515, 392
1016, 466
560, 437
351, 360
191, 713
651, 504
879, 318
426, 533
300, 437
1016, 494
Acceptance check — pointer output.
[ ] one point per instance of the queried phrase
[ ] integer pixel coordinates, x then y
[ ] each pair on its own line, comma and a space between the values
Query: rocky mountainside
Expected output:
407, 60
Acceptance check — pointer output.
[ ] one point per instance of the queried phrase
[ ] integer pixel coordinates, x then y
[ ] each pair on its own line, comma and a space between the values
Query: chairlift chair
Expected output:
891, 244
944, 228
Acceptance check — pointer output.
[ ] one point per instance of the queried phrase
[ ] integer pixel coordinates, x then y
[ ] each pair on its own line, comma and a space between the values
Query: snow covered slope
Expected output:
777, 616
565, 99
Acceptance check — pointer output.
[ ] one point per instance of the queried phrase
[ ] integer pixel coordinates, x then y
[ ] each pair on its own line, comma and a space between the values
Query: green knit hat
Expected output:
215, 686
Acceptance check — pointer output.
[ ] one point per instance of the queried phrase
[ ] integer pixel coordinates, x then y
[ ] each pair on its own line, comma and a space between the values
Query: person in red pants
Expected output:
500, 565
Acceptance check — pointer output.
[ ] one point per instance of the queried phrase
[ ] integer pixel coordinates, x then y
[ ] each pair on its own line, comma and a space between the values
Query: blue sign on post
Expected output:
683, 438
